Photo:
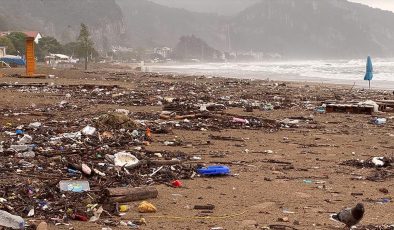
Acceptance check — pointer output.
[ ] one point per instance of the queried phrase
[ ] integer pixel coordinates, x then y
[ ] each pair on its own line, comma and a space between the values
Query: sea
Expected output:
349, 72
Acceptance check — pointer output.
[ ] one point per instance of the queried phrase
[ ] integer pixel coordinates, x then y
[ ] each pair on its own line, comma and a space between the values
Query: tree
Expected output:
85, 44
48, 45
71, 49
18, 39
5, 41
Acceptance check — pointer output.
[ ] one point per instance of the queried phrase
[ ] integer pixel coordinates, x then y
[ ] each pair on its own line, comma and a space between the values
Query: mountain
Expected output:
290, 28
314, 28
62, 18
221, 7
192, 47
287, 28
150, 24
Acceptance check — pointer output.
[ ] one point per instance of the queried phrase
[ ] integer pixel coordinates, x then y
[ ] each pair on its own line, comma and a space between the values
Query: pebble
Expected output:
283, 219
42, 226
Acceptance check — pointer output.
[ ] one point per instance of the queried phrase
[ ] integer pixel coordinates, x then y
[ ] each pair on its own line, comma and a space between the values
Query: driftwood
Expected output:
226, 138
204, 207
281, 227
129, 194
165, 162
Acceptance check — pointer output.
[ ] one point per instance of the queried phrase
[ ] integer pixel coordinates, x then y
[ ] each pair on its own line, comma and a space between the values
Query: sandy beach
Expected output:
291, 167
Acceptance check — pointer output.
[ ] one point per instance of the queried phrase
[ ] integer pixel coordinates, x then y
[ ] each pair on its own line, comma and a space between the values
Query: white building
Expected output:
60, 60
35, 34
163, 51
2, 51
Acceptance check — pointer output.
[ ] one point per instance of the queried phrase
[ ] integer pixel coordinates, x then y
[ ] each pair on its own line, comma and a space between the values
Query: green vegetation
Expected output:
18, 40
46, 46
5, 41
82, 47
85, 44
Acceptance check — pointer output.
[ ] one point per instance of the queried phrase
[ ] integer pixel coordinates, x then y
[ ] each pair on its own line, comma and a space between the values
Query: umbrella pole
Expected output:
369, 84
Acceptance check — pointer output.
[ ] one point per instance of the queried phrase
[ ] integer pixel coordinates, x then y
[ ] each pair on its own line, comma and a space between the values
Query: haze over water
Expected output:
326, 71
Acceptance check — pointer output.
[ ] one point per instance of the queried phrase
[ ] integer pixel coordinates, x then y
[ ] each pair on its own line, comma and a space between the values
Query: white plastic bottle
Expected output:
11, 221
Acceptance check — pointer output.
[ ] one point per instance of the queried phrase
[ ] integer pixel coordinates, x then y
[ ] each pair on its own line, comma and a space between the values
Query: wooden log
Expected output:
129, 194
165, 162
204, 207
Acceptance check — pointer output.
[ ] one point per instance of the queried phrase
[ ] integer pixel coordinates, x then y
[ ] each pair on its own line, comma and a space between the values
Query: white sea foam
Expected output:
327, 71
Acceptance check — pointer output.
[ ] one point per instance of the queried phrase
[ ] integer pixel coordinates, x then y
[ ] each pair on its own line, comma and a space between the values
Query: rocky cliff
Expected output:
62, 19
291, 28
314, 28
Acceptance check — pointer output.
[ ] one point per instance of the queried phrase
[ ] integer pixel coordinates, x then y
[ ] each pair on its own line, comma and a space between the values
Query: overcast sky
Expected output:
382, 4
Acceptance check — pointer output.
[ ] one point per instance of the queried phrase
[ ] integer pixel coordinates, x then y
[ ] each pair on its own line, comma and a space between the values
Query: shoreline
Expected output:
286, 79
342, 72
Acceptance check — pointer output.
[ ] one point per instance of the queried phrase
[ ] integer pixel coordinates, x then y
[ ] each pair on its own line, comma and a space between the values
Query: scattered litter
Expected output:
146, 207
74, 186
215, 170
88, 130
11, 221
125, 159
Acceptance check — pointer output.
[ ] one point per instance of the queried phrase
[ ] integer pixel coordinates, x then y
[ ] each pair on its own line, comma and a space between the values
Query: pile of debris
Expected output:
49, 163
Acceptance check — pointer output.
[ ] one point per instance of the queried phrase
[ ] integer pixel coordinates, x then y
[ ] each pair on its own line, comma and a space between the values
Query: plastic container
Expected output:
320, 109
125, 159
215, 170
74, 186
380, 121
88, 130
19, 132
176, 183
11, 221
28, 154
21, 148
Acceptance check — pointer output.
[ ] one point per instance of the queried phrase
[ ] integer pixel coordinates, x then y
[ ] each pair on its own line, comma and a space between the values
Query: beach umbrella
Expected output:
369, 73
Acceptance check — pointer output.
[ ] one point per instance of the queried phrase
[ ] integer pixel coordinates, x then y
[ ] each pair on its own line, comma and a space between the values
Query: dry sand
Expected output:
259, 192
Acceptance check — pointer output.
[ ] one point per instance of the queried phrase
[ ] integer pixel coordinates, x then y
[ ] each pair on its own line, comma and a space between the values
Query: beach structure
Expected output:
369, 72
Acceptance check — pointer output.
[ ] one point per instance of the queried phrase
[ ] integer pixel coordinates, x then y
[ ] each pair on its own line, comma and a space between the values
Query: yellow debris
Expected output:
146, 207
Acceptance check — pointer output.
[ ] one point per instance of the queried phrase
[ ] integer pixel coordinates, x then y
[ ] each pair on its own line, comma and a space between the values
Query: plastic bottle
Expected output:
11, 221
74, 186
28, 154
21, 148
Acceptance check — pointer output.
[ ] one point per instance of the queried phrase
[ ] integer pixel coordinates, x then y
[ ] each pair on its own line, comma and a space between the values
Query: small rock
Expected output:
42, 226
86, 169
283, 219
384, 190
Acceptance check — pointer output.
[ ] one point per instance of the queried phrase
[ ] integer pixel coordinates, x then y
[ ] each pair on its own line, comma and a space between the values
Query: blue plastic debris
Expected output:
19, 132
214, 170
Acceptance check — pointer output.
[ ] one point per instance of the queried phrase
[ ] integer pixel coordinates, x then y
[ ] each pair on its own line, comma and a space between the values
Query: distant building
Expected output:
122, 49
163, 51
35, 34
2, 51
60, 60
